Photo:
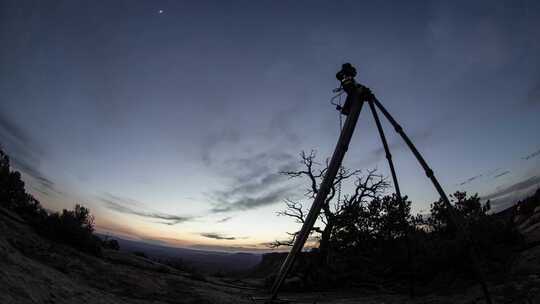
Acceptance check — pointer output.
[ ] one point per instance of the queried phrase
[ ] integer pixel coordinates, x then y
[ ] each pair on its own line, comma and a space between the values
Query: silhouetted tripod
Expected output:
357, 94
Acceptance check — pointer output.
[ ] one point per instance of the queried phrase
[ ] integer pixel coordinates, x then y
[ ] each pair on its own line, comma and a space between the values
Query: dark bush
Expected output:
73, 227
140, 254
110, 244
527, 206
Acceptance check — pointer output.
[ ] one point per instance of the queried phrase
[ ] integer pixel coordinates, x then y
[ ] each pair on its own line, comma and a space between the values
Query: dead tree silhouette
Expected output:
365, 187
357, 94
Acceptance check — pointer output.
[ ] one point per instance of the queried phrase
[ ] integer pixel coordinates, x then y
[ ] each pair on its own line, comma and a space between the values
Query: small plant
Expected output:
110, 244
140, 254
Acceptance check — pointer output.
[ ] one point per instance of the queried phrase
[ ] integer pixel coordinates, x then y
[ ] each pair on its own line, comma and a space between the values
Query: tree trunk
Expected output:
324, 244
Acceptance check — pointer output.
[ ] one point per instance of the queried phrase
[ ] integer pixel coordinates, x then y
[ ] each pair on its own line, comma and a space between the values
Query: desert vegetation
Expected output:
365, 237
72, 227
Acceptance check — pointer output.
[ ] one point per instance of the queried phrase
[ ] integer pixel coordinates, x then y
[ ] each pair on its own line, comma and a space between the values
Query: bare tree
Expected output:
365, 187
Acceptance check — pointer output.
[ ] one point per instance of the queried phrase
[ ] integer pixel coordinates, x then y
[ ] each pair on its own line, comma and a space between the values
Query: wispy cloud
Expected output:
217, 236
532, 155
249, 168
130, 206
251, 187
471, 179
502, 174
257, 182
247, 203
10, 128
211, 142
225, 219
514, 188
492, 172
43, 183
25, 154
495, 173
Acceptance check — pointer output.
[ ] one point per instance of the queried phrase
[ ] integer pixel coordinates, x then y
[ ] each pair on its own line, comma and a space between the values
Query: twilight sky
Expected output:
170, 120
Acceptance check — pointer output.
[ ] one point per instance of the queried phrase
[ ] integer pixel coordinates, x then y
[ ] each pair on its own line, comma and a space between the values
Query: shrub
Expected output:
73, 227
527, 206
140, 254
110, 244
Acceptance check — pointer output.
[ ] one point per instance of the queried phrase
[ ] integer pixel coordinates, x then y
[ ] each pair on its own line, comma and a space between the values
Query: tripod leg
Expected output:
398, 194
453, 216
333, 168
388, 155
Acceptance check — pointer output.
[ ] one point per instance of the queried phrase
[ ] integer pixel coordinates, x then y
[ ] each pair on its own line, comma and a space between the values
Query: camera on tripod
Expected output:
347, 73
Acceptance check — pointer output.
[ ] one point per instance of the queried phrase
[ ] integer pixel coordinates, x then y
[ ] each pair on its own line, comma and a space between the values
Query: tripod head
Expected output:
348, 84
346, 74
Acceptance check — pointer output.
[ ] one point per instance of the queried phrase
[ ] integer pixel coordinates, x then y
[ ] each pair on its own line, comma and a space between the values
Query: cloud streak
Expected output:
514, 188
247, 169
532, 155
25, 154
257, 182
490, 174
225, 219
12, 129
129, 206
471, 179
217, 236
246, 203
502, 174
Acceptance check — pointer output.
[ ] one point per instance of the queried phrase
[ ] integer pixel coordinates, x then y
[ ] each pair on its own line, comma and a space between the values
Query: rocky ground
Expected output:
35, 270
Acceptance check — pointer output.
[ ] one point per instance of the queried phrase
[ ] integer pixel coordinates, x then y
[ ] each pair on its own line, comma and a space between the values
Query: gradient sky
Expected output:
170, 120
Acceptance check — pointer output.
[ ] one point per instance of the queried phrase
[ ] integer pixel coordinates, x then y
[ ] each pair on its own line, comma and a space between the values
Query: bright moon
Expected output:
160, 11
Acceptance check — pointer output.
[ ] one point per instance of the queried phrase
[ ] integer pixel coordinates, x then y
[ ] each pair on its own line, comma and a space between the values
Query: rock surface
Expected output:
36, 270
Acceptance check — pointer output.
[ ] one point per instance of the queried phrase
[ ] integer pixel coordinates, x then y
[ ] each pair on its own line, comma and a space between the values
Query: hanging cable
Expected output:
340, 129
338, 107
